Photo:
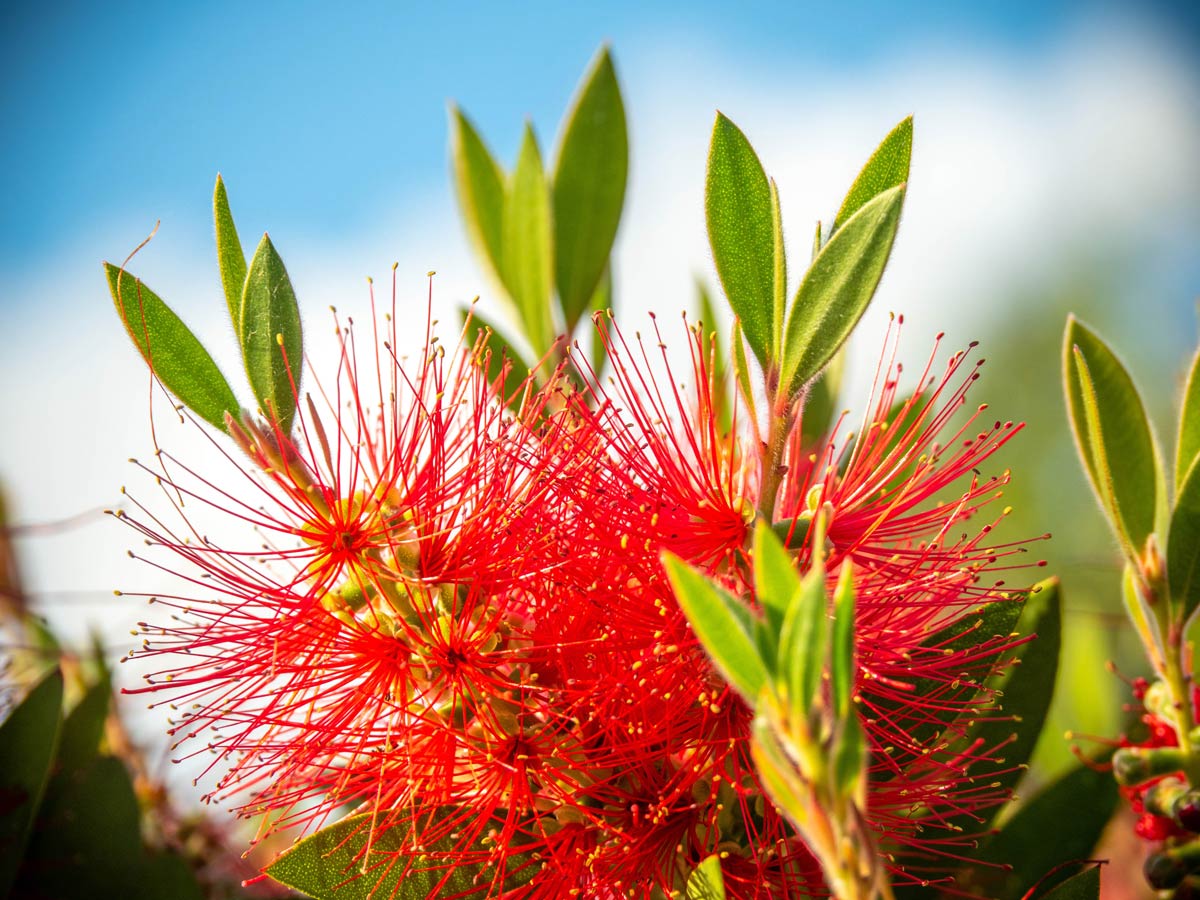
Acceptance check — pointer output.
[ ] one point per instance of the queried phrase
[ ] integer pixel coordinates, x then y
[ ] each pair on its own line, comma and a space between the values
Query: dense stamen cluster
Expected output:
458, 621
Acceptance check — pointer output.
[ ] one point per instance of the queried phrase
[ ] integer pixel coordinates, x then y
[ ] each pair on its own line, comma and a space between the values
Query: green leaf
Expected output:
1188, 445
775, 578
1183, 546
722, 624
87, 842
1079, 804
173, 353
589, 187
1084, 886
1114, 437
719, 357
778, 268
886, 169
84, 726
821, 404
601, 301
28, 740
528, 252
803, 644
501, 349
741, 369
1027, 689
270, 335
842, 668
837, 287
706, 881
336, 863
738, 210
230, 258
479, 184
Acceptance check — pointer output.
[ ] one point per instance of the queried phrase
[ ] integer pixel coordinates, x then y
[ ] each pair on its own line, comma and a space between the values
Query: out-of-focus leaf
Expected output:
601, 300
1183, 546
28, 741
479, 183
1079, 804
1188, 445
775, 578
1084, 886
1114, 437
821, 404
887, 168
500, 348
706, 881
334, 863
836, 289
271, 337
737, 205
719, 357
842, 669
803, 644
173, 353
528, 269
589, 187
723, 625
231, 260
84, 726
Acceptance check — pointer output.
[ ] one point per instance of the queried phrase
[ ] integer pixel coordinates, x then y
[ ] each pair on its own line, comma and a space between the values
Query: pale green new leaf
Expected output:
803, 644
738, 210
231, 260
589, 187
842, 669
272, 344
706, 881
528, 253
775, 577
1114, 437
174, 354
479, 184
887, 168
724, 626
836, 289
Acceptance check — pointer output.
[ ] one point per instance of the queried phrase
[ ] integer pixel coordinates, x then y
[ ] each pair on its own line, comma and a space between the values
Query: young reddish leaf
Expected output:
230, 259
173, 353
589, 186
887, 168
738, 210
722, 624
836, 289
1114, 438
479, 184
272, 343
528, 269
28, 741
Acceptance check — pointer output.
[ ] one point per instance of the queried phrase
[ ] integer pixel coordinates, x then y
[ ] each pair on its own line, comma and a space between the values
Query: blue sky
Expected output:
315, 115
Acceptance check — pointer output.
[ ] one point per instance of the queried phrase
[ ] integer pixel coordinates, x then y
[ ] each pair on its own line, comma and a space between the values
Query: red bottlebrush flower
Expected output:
674, 481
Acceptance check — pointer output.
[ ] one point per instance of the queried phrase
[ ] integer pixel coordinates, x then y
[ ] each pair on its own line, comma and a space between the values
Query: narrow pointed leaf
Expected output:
842, 669
850, 758
173, 353
501, 350
528, 253
1079, 803
778, 774
706, 881
820, 405
741, 369
271, 336
887, 168
479, 185
778, 269
1188, 446
721, 386
602, 300
803, 644
738, 210
334, 864
1183, 546
589, 186
1114, 438
837, 287
231, 260
1084, 886
723, 626
775, 577
84, 726
28, 741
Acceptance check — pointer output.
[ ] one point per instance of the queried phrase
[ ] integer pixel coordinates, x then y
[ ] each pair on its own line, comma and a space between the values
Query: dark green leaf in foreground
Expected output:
837, 288
589, 187
1183, 546
1114, 438
173, 353
887, 168
28, 741
84, 726
738, 209
1079, 804
270, 335
231, 260
333, 865
1084, 886
479, 183
706, 881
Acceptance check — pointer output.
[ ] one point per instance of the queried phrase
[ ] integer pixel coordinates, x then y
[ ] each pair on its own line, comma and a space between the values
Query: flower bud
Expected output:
1134, 765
